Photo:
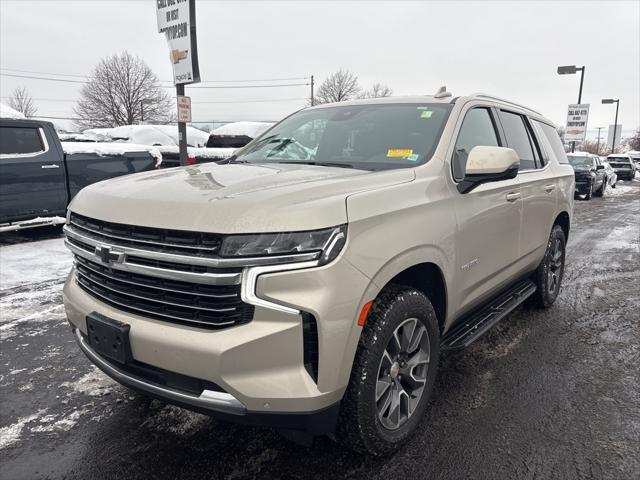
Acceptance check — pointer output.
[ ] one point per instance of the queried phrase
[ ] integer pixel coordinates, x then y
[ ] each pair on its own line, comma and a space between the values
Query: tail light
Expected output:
191, 160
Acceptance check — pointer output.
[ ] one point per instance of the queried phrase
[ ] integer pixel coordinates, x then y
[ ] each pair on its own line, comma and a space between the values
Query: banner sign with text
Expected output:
177, 20
577, 117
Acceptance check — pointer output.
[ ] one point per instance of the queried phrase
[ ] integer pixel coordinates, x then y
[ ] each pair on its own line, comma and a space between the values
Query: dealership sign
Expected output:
177, 20
577, 117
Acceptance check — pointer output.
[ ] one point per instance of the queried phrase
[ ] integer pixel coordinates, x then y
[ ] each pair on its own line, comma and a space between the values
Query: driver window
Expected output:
477, 129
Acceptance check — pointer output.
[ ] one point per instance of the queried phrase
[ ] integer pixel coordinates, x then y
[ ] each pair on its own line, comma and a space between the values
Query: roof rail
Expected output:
493, 97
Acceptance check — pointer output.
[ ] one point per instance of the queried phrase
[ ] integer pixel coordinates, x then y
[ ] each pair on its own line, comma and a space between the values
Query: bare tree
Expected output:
21, 101
633, 142
592, 146
338, 87
378, 90
121, 89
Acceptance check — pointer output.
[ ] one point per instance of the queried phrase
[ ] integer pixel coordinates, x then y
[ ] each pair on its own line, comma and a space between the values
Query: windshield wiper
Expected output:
321, 164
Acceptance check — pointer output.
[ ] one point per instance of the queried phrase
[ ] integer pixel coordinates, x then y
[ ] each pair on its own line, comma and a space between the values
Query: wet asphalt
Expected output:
545, 395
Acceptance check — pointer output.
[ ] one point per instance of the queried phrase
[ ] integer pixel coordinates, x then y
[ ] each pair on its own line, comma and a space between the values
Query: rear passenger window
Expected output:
477, 129
19, 140
519, 139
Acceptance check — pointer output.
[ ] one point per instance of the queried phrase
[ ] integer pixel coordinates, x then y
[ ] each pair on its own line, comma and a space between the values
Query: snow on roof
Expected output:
7, 112
250, 129
148, 135
105, 149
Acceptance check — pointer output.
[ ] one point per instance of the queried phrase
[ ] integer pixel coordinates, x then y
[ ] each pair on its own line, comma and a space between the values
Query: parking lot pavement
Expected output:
546, 394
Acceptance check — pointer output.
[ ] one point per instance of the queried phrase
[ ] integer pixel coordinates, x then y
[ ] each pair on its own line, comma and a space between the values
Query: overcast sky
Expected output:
508, 49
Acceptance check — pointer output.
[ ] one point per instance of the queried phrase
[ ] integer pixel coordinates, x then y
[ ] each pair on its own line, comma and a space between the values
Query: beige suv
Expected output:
311, 283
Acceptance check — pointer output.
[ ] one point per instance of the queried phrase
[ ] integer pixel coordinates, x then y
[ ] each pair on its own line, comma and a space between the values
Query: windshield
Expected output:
580, 162
619, 160
367, 137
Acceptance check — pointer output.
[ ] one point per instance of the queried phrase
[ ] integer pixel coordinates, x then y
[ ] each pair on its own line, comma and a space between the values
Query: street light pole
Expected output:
615, 123
570, 70
598, 144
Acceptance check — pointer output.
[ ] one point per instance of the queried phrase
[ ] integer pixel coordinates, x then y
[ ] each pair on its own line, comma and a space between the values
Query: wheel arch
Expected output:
564, 221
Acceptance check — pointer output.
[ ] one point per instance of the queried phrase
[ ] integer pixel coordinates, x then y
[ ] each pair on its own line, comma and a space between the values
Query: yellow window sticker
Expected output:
426, 114
399, 152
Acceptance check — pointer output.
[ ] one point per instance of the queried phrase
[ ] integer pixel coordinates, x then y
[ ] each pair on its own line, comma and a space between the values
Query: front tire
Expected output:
589, 193
393, 373
548, 275
600, 192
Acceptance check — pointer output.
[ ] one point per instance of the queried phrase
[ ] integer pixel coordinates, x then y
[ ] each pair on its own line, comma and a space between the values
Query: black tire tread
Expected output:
354, 431
539, 299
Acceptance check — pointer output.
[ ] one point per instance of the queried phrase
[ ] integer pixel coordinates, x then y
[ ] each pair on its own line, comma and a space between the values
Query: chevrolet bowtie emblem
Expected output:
107, 255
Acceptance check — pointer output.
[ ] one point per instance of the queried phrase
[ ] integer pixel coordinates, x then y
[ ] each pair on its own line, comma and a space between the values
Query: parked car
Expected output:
623, 165
635, 157
37, 178
610, 173
590, 174
311, 282
237, 134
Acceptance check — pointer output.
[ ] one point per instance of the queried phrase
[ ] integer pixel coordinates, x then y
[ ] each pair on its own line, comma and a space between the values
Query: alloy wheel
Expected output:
554, 272
402, 373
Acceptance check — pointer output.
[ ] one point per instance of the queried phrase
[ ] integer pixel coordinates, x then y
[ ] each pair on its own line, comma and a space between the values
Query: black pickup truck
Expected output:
38, 180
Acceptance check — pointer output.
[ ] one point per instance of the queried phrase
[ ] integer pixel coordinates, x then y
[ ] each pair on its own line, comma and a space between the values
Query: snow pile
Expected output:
7, 112
201, 152
75, 137
33, 262
105, 149
250, 129
147, 135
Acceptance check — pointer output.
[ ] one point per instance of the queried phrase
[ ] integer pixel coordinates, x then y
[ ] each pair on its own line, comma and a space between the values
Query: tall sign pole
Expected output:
177, 21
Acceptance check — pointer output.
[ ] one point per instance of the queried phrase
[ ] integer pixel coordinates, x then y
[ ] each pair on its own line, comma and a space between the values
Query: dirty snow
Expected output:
44, 260
12, 433
93, 384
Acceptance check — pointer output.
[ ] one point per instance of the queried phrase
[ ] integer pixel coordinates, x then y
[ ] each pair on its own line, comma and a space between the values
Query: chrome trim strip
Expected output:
126, 294
192, 259
250, 280
208, 399
184, 292
206, 278
184, 320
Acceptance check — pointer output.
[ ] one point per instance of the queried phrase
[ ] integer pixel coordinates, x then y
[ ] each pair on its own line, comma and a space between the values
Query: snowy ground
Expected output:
550, 394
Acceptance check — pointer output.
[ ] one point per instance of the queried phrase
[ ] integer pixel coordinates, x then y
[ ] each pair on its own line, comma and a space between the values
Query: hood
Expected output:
234, 198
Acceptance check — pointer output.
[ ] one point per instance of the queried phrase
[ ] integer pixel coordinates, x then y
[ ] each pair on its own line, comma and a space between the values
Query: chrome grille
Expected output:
174, 280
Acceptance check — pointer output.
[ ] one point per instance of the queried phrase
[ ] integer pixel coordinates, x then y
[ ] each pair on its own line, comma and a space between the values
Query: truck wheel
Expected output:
600, 191
393, 372
548, 275
589, 193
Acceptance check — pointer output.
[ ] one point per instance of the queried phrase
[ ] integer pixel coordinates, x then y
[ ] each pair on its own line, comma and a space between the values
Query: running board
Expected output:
476, 325
33, 223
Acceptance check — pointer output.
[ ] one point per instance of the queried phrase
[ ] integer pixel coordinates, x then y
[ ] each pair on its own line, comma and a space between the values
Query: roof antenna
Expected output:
442, 93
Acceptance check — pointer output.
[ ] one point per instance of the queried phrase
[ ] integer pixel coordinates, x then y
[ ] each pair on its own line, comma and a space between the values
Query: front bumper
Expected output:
258, 365
583, 186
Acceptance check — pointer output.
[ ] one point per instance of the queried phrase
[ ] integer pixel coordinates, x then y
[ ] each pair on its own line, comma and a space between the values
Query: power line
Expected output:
163, 86
193, 102
284, 79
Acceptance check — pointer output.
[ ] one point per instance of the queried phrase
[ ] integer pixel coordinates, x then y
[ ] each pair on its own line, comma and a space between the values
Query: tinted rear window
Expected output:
228, 141
18, 140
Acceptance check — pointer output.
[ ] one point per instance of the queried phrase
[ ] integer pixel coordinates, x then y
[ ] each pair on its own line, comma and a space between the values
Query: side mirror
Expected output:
489, 164
599, 167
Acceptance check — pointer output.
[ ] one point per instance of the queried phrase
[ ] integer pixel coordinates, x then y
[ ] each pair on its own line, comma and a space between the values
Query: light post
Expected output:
570, 70
615, 123
598, 144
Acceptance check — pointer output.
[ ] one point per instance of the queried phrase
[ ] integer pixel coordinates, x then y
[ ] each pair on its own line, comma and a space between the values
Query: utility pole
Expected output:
598, 144
312, 90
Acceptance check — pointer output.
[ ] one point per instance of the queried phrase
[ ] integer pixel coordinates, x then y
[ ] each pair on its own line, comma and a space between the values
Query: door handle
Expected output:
549, 188
51, 165
512, 196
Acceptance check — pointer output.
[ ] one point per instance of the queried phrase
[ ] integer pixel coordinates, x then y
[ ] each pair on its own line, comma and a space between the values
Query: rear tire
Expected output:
393, 373
548, 275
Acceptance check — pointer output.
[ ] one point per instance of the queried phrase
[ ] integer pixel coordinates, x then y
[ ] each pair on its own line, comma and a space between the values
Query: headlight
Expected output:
327, 243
